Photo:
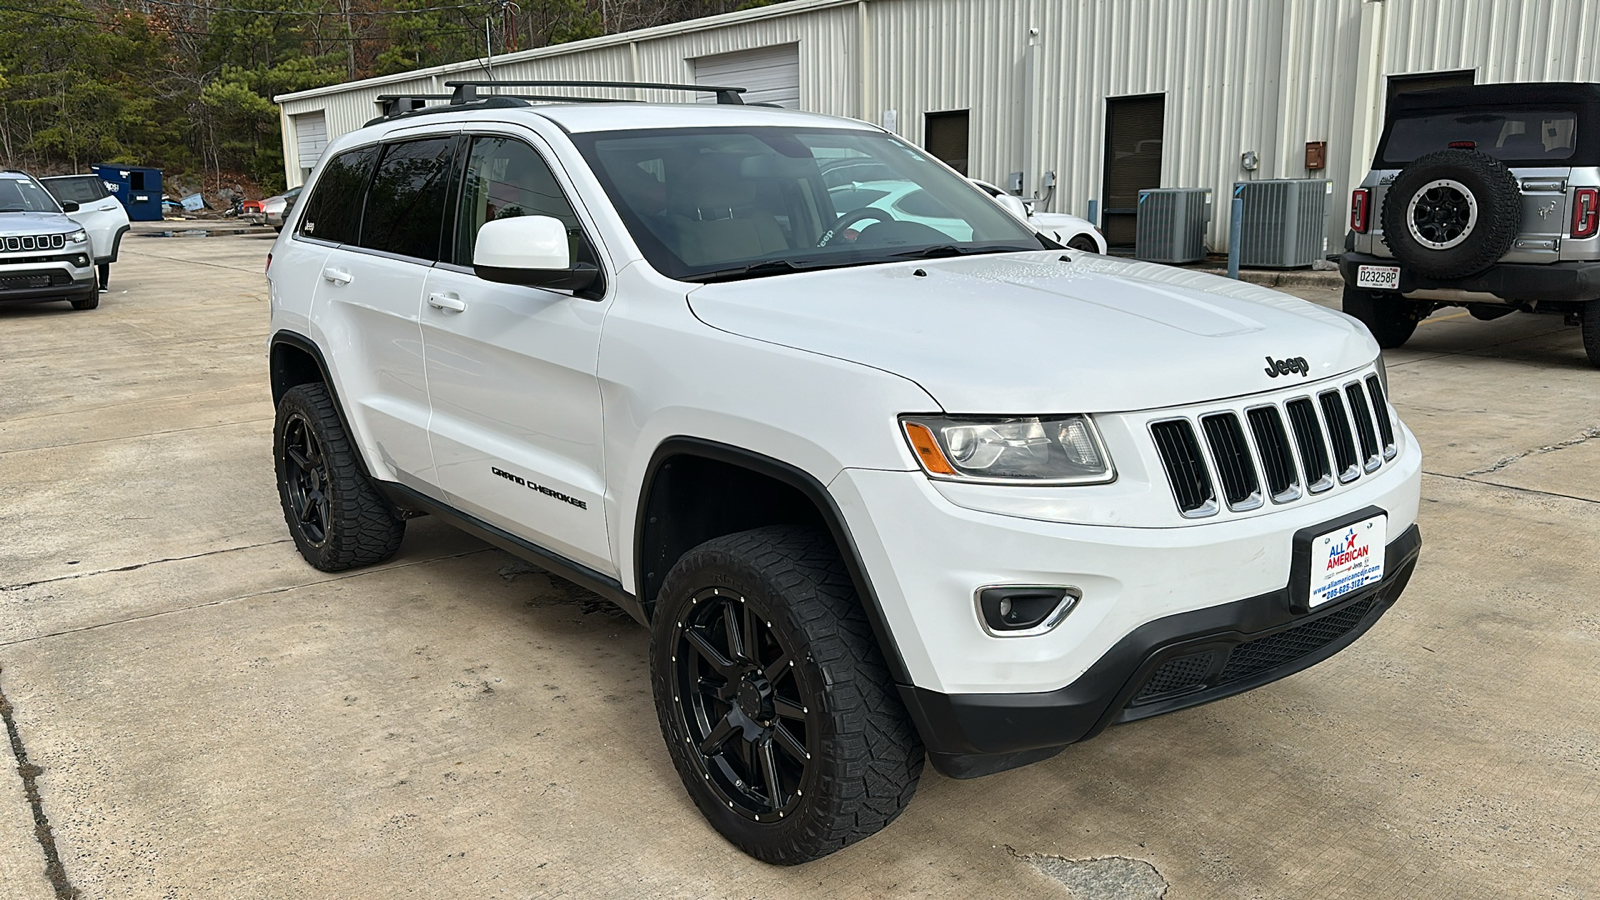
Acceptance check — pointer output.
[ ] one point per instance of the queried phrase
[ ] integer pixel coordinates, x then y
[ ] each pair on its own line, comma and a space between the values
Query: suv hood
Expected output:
36, 223
1029, 333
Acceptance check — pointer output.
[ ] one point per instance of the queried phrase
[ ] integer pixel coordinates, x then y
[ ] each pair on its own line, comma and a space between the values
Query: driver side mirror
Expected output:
69, 206
532, 251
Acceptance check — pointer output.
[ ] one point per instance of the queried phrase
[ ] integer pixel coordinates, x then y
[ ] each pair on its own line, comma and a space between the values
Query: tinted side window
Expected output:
405, 205
85, 189
334, 211
507, 178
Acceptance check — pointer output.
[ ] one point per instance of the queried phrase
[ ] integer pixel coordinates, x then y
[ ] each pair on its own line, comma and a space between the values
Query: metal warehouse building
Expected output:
1089, 100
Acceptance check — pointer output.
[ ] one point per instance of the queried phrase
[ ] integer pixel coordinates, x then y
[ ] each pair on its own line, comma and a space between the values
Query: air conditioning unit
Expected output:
1172, 225
1285, 222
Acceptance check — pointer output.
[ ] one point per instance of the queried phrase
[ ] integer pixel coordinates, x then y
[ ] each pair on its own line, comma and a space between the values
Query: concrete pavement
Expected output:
210, 717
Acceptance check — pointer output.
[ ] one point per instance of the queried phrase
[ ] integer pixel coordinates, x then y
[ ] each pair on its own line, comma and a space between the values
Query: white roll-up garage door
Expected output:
311, 135
771, 74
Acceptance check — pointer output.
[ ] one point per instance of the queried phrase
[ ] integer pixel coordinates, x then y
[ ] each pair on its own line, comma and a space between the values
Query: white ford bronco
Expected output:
1486, 197
883, 492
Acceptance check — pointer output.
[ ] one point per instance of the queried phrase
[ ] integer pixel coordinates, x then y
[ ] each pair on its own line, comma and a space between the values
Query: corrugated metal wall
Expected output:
1238, 75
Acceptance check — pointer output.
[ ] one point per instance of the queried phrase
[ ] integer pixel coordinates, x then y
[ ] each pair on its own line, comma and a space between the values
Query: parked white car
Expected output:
100, 214
883, 490
1063, 228
44, 254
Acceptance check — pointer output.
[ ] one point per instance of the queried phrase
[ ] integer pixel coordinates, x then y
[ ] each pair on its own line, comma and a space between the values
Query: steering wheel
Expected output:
850, 218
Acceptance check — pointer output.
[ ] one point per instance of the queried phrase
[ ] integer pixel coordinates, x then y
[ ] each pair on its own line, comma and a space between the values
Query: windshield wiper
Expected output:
753, 270
943, 250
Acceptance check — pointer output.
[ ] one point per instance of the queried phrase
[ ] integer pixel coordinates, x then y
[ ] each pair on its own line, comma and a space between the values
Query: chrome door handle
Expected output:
338, 276
446, 302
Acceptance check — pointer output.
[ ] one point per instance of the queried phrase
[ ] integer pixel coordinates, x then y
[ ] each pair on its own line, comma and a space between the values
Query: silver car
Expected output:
276, 208
43, 254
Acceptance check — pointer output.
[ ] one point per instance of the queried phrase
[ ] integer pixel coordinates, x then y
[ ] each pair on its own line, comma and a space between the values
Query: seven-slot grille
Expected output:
21, 243
1337, 434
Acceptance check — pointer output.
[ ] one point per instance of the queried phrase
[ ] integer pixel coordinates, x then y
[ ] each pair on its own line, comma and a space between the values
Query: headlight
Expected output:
78, 237
1032, 450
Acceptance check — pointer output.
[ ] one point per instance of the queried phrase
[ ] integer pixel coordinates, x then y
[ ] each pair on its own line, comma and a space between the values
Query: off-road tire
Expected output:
90, 302
1493, 226
1390, 317
1589, 324
337, 518
789, 595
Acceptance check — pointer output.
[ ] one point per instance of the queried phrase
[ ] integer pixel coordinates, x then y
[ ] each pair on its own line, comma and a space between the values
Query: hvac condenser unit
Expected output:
1172, 224
1284, 224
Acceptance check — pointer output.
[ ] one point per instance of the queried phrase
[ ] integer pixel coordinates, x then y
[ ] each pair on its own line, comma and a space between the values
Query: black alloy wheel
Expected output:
1084, 243
337, 518
745, 711
1443, 214
307, 482
773, 697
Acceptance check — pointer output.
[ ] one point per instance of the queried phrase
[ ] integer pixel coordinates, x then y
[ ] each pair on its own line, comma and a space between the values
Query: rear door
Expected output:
516, 422
382, 214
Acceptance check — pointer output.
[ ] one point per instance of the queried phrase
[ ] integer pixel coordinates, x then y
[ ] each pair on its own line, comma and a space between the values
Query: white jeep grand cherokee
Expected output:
880, 492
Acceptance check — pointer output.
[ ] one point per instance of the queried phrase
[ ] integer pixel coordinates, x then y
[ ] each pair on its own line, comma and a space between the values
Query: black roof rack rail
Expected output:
397, 104
467, 91
411, 105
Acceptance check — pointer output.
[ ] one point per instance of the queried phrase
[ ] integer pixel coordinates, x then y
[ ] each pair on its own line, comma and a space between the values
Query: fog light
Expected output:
1020, 610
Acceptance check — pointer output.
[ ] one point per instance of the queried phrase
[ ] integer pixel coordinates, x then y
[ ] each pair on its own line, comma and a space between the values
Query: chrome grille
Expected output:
1380, 409
25, 242
1344, 443
1235, 470
1335, 436
1186, 468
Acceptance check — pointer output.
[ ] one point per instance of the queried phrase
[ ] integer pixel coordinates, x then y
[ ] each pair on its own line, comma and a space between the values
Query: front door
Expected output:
516, 425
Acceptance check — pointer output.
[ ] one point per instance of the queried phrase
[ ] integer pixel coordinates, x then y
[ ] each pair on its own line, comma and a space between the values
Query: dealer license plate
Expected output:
1383, 278
1347, 559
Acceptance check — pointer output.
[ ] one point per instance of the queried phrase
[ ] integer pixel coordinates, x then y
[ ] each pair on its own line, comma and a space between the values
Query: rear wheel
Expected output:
1390, 318
90, 302
337, 518
773, 698
1589, 322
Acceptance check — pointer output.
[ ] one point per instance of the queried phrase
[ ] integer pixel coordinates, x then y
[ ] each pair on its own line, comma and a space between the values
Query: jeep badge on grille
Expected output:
1276, 367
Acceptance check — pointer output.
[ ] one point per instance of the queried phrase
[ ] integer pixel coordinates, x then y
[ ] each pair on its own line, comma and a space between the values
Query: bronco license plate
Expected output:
1347, 559
1383, 278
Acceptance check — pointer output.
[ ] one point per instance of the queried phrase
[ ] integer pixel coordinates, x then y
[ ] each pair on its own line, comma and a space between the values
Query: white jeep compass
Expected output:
881, 491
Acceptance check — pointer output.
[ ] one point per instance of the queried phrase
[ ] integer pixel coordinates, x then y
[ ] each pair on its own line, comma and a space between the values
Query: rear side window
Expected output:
334, 211
406, 202
81, 189
1526, 136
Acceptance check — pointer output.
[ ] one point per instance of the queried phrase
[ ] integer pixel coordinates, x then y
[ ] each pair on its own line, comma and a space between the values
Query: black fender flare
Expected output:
809, 487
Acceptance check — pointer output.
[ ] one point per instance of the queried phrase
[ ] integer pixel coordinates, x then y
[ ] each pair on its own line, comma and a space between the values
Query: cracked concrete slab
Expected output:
1107, 878
21, 859
234, 724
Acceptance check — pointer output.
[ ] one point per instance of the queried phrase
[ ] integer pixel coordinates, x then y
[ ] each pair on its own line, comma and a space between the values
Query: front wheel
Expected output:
1084, 243
1392, 320
773, 698
337, 518
1589, 323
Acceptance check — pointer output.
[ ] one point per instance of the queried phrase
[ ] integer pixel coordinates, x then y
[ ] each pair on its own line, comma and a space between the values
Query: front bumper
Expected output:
1169, 664
1512, 282
58, 282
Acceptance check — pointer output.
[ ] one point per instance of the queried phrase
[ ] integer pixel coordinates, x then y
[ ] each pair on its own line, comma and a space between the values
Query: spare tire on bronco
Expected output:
1452, 213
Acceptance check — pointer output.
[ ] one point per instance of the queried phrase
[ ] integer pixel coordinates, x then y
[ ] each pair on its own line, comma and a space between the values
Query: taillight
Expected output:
1585, 213
1360, 198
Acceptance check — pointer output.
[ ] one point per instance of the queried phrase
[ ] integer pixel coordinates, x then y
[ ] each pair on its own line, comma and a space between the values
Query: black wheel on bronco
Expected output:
1391, 319
775, 703
338, 520
1589, 322
1452, 213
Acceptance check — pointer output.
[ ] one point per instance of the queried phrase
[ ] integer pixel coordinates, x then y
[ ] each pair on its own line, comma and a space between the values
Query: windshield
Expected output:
1529, 136
85, 189
708, 204
25, 195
